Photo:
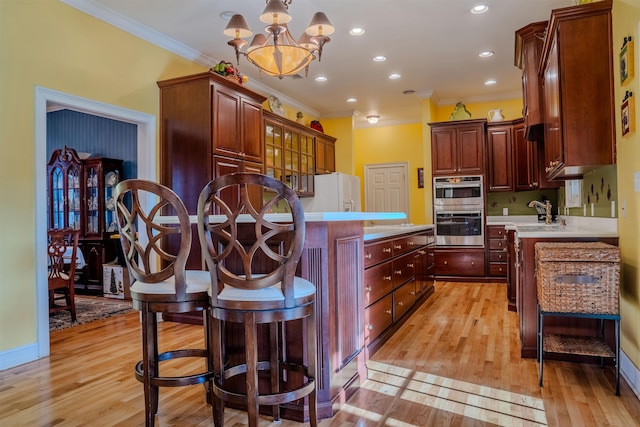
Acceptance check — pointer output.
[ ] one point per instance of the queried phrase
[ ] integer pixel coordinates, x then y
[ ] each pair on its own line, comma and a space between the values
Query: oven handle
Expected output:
469, 212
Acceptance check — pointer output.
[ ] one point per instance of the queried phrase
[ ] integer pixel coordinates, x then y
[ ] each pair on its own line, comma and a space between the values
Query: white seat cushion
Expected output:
197, 281
302, 288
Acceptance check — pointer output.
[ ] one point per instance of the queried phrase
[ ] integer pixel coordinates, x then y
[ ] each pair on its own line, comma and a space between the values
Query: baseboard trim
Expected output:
630, 373
18, 356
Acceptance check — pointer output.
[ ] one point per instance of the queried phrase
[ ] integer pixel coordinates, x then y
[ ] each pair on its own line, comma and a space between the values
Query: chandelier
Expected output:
277, 53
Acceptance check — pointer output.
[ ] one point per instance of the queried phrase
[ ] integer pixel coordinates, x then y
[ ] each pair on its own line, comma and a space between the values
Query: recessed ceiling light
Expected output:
379, 58
490, 82
226, 15
321, 79
486, 54
356, 31
481, 8
373, 119
351, 100
394, 76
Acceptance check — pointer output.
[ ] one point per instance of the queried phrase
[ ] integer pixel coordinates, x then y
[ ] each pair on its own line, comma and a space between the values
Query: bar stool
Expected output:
167, 288
253, 282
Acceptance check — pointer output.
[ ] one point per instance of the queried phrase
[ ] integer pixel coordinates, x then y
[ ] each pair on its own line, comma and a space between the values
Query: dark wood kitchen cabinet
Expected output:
208, 126
460, 263
497, 245
325, 154
528, 51
289, 153
398, 275
579, 119
458, 147
500, 152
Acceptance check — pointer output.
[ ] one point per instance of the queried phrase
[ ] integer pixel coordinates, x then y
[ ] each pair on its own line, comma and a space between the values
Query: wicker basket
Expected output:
578, 277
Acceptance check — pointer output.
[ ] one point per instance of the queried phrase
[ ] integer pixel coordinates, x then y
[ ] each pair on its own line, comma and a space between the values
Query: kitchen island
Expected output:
333, 260
525, 232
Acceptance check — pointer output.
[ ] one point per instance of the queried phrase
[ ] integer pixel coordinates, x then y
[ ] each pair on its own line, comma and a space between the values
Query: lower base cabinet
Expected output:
398, 276
451, 263
96, 253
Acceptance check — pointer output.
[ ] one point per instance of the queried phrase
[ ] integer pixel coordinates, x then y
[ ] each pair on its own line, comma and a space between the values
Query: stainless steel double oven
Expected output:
458, 210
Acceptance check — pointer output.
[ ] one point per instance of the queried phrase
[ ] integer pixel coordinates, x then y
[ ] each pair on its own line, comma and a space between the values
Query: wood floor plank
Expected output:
455, 362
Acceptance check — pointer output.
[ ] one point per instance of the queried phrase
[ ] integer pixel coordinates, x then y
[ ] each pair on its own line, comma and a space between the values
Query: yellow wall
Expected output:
390, 144
49, 44
626, 18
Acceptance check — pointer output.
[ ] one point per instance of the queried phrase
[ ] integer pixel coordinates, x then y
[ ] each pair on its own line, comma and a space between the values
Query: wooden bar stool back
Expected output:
156, 255
253, 262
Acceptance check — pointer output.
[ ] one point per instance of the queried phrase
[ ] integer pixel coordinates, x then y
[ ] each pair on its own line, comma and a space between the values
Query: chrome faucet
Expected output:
546, 206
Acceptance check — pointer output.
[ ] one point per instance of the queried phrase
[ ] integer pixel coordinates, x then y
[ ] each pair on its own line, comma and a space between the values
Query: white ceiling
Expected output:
433, 44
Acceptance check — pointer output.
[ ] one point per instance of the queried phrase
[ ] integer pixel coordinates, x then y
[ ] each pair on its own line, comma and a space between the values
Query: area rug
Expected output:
89, 309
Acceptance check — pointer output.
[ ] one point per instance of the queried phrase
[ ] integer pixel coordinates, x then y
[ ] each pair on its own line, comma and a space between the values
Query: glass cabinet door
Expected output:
112, 178
91, 199
73, 197
307, 167
273, 150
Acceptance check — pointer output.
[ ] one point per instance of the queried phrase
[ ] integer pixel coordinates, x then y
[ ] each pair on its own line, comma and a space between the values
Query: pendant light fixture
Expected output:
277, 53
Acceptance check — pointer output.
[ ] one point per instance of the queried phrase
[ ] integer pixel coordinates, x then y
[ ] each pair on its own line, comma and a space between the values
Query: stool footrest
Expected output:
178, 381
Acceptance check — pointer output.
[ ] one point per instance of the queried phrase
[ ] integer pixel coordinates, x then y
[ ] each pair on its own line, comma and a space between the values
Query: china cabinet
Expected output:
579, 119
457, 147
80, 196
64, 190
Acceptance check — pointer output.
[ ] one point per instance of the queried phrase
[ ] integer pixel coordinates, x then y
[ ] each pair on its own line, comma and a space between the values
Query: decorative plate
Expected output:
111, 179
276, 106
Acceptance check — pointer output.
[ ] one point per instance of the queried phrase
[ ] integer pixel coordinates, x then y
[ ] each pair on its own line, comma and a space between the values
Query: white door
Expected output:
387, 189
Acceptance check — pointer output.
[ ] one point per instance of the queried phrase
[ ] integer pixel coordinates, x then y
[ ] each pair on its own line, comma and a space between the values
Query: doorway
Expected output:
386, 189
146, 154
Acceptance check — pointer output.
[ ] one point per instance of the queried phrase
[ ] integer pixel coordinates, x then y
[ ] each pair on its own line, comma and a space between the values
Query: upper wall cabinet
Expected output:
576, 73
529, 42
325, 154
457, 147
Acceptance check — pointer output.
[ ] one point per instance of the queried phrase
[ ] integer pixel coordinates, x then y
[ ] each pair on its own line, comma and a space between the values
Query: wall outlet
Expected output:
505, 211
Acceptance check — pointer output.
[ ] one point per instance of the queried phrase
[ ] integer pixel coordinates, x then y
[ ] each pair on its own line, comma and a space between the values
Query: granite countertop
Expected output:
527, 226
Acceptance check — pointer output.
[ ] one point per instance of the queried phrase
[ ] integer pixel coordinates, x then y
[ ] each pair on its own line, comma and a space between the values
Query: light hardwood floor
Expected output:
455, 362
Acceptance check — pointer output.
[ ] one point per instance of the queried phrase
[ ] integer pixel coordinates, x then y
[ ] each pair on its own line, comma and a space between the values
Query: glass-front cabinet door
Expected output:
273, 150
307, 164
64, 196
101, 175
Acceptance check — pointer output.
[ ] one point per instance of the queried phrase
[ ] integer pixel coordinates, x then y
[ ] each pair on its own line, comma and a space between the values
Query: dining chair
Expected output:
62, 246
156, 254
252, 261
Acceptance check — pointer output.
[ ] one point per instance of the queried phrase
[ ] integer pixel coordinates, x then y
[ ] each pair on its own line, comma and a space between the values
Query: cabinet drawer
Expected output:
405, 244
498, 269
403, 299
460, 263
378, 317
377, 252
497, 232
378, 281
403, 269
498, 256
497, 244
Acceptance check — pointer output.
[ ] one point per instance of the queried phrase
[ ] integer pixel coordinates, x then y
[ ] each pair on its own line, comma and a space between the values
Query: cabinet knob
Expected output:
412, 293
368, 256
446, 262
473, 263
370, 327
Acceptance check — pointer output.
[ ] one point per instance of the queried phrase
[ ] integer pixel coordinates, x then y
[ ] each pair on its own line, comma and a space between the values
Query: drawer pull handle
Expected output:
368, 288
388, 250
421, 252
388, 311
398, 272
370, 327
410, 265
504, 250
397, 246
368, 256
400, 303
386, 277
412, 293
411, 243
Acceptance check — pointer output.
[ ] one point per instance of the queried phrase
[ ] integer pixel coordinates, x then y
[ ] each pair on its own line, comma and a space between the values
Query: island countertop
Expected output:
527, 226
382, 231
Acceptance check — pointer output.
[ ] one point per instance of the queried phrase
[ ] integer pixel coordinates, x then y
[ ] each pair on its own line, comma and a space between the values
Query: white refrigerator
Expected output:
335, 192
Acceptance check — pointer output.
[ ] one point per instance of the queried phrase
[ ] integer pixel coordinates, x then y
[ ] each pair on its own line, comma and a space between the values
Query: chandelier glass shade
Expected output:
277, 53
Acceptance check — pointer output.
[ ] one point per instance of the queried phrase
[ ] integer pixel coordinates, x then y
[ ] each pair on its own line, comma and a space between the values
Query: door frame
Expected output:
407, 189
146, 153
